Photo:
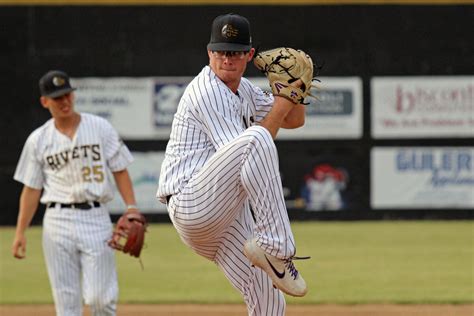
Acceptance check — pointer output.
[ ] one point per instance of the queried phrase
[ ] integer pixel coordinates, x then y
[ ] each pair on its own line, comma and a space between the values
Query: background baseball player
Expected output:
70, 159
220, 176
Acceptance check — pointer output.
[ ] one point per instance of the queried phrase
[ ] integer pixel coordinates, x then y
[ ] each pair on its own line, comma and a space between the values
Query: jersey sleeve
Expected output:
117, 155
29, 170
263, 103
215, 111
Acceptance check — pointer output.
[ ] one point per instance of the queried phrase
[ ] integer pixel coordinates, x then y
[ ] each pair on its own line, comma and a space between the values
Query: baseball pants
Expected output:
80, 264
238, 195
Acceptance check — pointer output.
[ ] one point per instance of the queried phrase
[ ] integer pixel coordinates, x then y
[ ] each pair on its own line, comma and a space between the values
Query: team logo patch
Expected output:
229, 31
58, 81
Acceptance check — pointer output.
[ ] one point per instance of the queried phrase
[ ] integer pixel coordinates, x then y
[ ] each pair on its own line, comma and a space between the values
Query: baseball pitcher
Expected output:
220, 177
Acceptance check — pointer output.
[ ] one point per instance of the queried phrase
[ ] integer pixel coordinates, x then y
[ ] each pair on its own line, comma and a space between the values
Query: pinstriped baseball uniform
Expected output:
222, 179
74, 241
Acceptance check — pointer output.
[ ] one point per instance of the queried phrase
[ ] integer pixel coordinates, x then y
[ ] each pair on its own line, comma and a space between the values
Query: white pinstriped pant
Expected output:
81, 266
212, 215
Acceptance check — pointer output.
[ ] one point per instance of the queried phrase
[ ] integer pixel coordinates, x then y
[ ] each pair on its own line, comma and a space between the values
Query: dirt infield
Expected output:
239, 310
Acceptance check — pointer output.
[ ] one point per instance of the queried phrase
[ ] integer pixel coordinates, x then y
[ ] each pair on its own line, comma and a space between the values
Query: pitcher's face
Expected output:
229, 66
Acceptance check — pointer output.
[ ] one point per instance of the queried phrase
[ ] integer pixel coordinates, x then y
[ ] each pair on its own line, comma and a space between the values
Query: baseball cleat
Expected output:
282, 271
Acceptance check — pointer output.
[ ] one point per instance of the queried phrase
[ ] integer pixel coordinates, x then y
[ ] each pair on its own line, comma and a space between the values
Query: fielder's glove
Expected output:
129, 234
283, 66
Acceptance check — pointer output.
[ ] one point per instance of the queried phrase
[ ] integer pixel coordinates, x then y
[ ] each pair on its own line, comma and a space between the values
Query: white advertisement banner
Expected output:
124, 102
413, 107
336, 113
139, 108
144, 172
166, 95
143, 108
422, 177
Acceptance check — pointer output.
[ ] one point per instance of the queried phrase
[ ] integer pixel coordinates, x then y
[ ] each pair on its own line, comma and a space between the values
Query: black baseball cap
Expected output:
230, 32
55, 83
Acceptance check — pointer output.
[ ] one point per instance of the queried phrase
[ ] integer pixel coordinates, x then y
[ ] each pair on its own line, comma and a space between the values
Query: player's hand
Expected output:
298, 83
19, 247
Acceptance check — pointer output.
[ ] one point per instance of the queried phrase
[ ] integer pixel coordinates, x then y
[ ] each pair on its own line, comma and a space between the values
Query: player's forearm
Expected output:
125, 187
29, 200
273, 121
295, 118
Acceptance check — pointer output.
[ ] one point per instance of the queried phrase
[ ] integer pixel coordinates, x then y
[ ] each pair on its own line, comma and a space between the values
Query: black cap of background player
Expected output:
55, 83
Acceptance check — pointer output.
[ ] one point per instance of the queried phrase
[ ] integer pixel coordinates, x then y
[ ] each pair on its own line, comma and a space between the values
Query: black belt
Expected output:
80, 206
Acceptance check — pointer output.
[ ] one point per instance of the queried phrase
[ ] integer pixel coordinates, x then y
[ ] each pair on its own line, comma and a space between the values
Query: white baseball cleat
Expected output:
282, 271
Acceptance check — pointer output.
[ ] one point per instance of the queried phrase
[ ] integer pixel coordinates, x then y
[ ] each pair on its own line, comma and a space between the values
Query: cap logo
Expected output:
58, 81
229, 31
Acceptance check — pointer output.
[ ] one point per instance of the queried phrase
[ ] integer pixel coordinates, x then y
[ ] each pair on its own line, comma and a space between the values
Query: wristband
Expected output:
132, 207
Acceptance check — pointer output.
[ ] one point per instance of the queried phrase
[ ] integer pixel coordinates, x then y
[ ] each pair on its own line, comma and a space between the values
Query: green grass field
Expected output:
408, 262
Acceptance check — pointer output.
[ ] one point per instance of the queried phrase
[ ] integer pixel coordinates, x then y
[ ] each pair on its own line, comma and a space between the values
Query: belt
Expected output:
80, 206
168, 197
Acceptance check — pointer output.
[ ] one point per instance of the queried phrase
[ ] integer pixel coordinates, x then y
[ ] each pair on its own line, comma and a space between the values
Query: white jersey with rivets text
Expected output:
73, 170
209, 116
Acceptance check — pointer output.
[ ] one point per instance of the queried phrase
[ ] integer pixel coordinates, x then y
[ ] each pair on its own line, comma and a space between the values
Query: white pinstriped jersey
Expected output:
73, 170
209, 116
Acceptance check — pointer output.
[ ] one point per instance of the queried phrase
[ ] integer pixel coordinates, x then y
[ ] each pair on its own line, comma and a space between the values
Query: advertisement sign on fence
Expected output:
313, 180
335, 113
145, 173
414, 107
143, 108
139, 108
124, 102
431, 177
323, 179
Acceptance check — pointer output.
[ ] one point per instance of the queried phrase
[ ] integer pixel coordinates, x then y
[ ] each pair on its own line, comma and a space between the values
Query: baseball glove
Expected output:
129, 234
283, 66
